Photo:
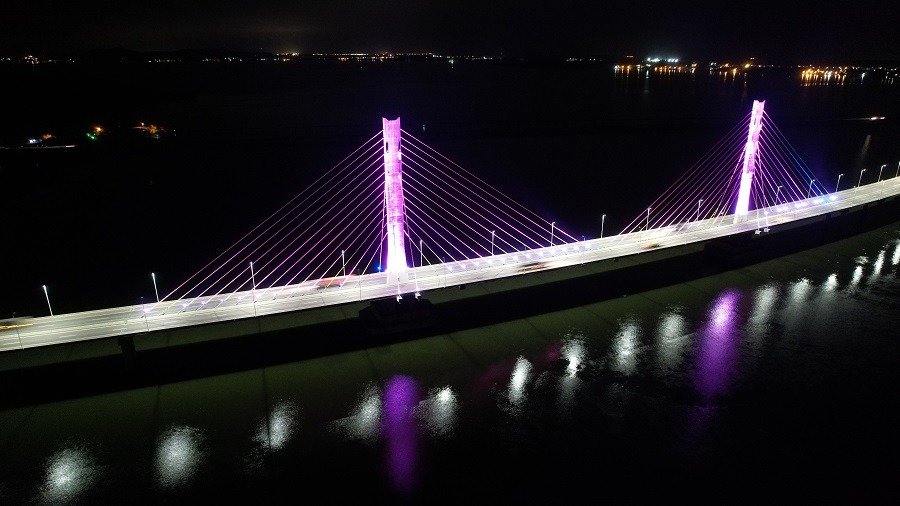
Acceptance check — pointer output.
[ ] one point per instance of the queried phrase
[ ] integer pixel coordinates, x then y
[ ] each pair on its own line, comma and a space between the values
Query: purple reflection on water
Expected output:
717, 356
401, 395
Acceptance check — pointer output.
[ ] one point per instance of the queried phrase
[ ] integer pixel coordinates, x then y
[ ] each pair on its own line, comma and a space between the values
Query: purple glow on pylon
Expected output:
394, 218
749, 166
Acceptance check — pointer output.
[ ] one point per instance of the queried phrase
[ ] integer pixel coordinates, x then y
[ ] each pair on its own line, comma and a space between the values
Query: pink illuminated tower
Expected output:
394, 217
749, 168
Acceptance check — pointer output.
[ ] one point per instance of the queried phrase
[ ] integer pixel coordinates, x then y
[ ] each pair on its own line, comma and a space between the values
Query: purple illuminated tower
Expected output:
394, 217
750, 151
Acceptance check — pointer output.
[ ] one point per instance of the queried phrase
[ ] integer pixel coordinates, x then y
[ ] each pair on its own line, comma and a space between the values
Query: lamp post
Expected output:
344, 263
838, 183
253, 285
48, 299
809, 190
698, 208
777, 191
898, 170
153, 277
603, 219
648, 218
880, 171
860, 178
492, 241
552, 226
421, 254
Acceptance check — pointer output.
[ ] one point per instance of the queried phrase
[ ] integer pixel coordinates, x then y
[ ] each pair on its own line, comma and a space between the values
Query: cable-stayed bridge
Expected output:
396, 218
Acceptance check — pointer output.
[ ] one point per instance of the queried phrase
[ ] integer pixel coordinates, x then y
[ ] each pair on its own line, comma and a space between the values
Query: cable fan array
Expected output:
452, 214
709, 188
335, 227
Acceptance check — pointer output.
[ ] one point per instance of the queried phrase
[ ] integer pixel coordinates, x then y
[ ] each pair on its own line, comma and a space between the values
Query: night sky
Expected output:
783, 31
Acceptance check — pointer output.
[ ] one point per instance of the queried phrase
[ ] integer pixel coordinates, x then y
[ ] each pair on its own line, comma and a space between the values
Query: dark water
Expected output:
774, 379
778, 379
571, 142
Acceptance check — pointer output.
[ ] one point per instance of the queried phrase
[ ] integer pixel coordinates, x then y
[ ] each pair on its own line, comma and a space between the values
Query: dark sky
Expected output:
776, 31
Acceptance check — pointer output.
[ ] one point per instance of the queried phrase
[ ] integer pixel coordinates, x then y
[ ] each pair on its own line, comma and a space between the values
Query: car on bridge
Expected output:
335, 282
531, 266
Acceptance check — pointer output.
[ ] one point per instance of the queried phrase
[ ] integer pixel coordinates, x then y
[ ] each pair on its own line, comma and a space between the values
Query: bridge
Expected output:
397, 219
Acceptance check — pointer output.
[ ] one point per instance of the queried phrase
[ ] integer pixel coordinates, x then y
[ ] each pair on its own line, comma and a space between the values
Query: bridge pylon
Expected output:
751, 151
394, 209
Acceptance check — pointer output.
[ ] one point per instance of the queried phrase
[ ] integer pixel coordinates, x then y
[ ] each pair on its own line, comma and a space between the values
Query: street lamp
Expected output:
809, 190
344, 263
493, 232
860, 178
648, 218
48, 299
838, 183
880, 171
698, 208
552, 226
153, 277
777, 191
253, 285
603, 219
898, 170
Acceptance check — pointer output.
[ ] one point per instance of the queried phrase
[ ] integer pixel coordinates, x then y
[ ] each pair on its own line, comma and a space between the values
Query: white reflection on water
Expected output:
178, 455
876, 267
895, 259
857, 275
671, 337
799, 292
830, 283
282, 423
438, 411
70, 472
763, 304
518, 379
365, 420
573, 351
625, 347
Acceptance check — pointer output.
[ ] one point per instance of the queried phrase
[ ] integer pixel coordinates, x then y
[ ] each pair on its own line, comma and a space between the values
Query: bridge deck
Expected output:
82, 326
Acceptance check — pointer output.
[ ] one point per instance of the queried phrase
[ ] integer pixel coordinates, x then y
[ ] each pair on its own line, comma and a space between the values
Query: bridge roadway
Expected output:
87, 325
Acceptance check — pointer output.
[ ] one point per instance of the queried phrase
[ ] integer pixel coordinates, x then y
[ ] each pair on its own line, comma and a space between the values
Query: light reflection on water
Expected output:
516, 390
672, 336
625, 346
798, 293
401, 395
857, 275
895, 259
280, 427
716, 357
574, 352
364, 422
830, 283
179, 454
763, 304
438, 411
876, 267
70, 472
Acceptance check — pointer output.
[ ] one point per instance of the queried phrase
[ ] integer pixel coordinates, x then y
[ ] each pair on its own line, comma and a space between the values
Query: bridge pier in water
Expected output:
394, 209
